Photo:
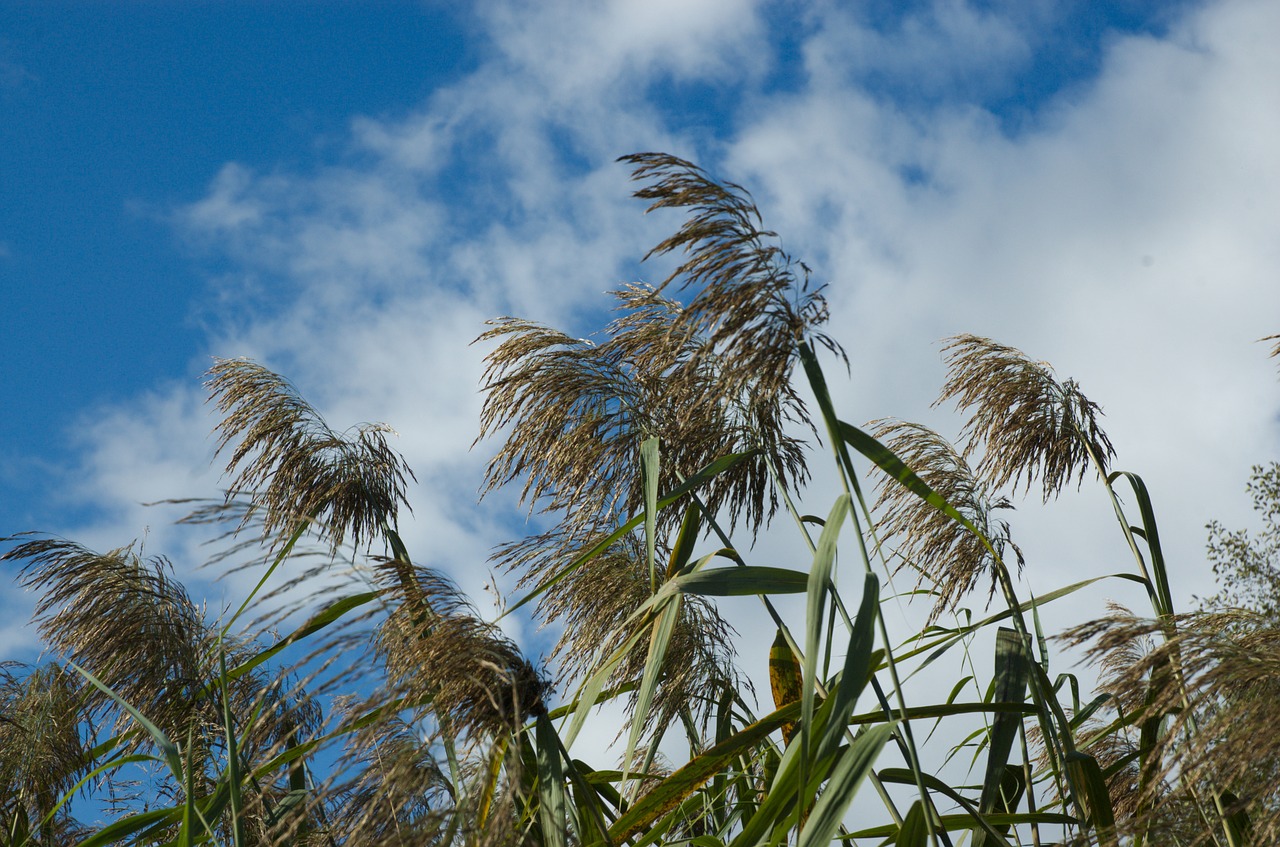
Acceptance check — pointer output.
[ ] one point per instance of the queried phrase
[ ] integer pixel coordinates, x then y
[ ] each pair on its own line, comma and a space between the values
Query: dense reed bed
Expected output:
656, 454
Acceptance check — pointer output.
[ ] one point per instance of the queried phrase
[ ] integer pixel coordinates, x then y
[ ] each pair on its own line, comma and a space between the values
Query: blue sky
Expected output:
345, 192
114, 114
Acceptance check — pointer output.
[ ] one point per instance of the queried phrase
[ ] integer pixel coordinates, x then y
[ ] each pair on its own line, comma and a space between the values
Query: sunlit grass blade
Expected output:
669, 793
857, 666
659, 640
744, 580
649, 470
1011, 676
552, 817
1151, 534
852, 768
686, 538
820, 575
590, 690
796, 779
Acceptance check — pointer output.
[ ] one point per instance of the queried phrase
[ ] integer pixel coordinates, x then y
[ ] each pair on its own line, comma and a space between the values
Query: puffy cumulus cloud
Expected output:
573, 48
1123, 234
945, 48
1126, 237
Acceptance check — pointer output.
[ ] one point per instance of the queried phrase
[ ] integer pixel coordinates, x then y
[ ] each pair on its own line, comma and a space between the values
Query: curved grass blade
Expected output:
669, 793
589, 693
686, 538
955, 822
857, 666
888, 461
1011, 677
915, 830
551, 800
167, 748
971, 820
951, 636
743, 580
314, 624
117, 832
1159, 573
850, 771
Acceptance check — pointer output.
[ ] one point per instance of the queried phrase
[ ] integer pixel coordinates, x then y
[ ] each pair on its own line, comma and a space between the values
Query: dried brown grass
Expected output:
947, 556
1025, 423
293, 468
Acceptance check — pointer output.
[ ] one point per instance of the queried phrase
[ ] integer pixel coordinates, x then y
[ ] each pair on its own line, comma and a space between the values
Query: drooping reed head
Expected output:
127, 620
294, 468
747, 300
1028, 424
946, 554
708, 371
1216, 685
595, 606
123, 617
439, 654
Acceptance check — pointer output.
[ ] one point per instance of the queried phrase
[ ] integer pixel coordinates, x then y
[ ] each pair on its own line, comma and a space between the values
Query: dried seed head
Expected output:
748, 303
947, 555
1027, 423
1216, 686
126, 619
710, 376
436, 649
42, 754
595, 604
578, 412
293, 468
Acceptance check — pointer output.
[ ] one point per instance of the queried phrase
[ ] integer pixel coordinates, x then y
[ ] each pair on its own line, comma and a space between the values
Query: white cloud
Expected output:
944, 48
574, 49
1126, 240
